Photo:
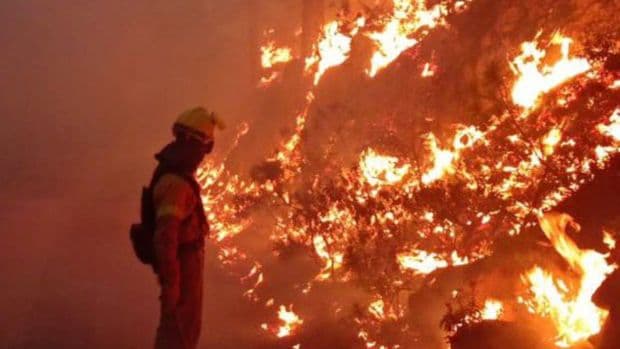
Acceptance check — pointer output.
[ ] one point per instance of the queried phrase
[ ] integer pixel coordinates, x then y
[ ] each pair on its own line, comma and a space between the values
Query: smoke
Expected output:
88, 92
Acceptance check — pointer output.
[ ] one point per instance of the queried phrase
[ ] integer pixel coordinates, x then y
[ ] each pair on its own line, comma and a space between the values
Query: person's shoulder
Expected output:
172, 183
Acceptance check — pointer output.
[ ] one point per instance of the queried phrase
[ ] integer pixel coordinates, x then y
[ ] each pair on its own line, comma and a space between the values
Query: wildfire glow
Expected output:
407, 18
377, 309
551, 140
609, 240
573, 313
428, 70
332, 262
332, 50
534, 79
381, 170
290, 321
612, 129
443, 159
423, 262
485, 181
272, 55
492, 310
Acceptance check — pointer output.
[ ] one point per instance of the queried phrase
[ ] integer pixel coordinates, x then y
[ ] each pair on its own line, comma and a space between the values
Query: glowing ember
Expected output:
265, 81
377, 309
535, 80
428, 71
573, 313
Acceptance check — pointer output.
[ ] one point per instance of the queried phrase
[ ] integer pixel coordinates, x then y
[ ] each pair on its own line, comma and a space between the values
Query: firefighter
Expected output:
180, 229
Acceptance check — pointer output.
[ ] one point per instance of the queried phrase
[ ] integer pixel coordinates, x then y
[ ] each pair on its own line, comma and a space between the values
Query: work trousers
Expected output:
181, 328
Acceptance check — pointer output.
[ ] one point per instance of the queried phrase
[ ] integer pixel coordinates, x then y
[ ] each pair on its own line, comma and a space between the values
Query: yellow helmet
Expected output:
198, 122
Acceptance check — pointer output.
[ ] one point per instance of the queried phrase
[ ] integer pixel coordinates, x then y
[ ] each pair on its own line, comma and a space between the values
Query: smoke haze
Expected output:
88, 91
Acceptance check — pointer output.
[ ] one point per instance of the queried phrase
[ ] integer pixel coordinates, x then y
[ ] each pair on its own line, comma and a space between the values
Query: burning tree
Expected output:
387, 196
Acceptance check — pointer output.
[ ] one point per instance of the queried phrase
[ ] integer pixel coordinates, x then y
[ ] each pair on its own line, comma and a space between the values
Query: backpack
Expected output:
142, 234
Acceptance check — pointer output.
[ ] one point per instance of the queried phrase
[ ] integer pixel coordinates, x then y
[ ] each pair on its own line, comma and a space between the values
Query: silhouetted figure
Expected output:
171, 235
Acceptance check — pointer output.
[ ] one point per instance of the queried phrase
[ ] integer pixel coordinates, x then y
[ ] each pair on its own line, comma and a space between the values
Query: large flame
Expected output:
499, 175
407, 19
572, 311
332, 49
535, 79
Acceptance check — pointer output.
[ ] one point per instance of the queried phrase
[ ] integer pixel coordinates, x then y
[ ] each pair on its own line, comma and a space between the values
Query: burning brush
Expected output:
399, 221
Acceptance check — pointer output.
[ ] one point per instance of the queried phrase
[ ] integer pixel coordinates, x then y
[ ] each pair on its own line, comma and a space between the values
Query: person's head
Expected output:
197, 126
194, 132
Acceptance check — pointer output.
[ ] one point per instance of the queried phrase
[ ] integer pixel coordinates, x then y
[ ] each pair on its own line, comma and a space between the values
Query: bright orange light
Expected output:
428, 71
492, 310
396, 36
272, 55
533, 80
381, 170
290, 321
573, 313
332, 49
613, 128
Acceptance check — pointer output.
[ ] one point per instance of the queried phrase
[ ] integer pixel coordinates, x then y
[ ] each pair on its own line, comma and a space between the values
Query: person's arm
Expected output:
172, 197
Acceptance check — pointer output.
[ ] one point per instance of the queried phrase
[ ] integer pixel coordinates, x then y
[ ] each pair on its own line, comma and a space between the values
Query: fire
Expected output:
272, 55
428, 71
492, 310
534, 79
573, 313
551, 140
406, 20
612, 129
382, 170
423, 262
443, 206
377, 309
333, 49
391, 42
609, 240
332, 262
442, 161
290, 321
